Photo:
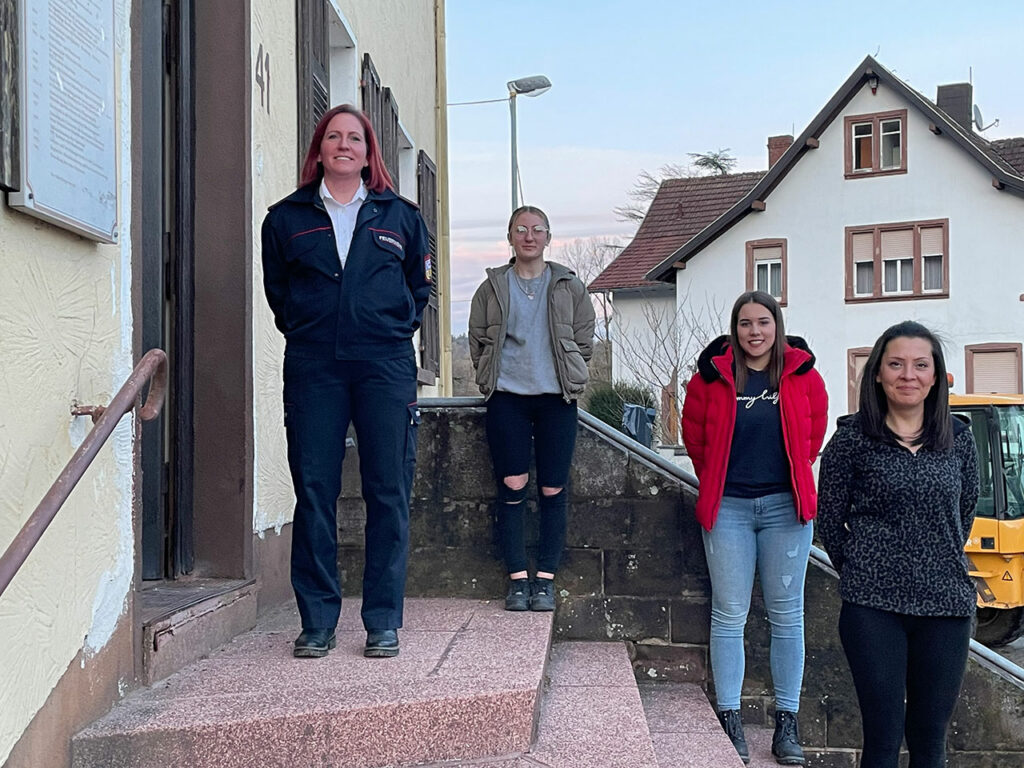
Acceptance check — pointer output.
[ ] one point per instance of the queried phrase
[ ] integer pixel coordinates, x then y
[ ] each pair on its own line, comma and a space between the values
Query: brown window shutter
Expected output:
391, 141
863, 246
313, 61
430, 330
931, 240
996, 371
898, 244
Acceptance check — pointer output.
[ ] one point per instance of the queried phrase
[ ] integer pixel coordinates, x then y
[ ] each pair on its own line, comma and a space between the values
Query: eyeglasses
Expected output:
538, 229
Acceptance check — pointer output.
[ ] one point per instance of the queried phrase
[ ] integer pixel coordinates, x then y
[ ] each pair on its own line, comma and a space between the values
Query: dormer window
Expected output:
876, 144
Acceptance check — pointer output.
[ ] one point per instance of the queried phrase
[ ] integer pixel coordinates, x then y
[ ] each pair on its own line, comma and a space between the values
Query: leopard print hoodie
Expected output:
895, 523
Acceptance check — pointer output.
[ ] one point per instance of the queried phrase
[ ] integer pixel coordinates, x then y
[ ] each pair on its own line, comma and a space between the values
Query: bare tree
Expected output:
588, 258
660, 349
646, 185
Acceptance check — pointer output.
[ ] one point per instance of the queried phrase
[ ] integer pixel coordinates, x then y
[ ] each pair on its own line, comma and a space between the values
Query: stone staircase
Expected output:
473, 685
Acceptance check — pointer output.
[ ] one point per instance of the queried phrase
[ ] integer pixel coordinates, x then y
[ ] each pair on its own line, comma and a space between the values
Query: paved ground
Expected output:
1014, 652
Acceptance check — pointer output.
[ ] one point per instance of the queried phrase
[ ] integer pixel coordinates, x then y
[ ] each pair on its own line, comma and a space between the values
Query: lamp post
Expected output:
524, 86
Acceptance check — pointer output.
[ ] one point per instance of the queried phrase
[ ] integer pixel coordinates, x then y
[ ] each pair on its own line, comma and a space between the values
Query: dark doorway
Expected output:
167, 117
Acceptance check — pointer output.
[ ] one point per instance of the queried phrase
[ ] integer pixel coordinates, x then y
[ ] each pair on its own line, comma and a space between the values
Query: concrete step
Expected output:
466, 685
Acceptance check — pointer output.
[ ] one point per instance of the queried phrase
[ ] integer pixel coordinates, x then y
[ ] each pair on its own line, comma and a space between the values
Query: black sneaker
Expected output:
732, 724
786, 740
542, 595
518, 597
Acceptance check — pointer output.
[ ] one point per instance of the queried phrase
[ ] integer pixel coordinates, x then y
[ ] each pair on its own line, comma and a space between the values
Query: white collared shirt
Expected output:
343, 217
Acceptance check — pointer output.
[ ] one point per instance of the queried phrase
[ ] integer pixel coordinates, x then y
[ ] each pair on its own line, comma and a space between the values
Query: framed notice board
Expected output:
68, 140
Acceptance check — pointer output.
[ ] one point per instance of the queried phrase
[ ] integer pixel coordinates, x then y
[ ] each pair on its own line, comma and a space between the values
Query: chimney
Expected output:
957, 101
777, 146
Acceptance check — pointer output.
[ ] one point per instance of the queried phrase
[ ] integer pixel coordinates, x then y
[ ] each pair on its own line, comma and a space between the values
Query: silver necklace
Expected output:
524, 286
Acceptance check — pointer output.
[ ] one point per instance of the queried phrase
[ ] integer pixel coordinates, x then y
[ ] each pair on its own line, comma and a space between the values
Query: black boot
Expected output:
786, 740
732, 724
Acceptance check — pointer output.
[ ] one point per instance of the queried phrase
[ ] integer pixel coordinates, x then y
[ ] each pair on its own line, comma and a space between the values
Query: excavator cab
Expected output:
995, 550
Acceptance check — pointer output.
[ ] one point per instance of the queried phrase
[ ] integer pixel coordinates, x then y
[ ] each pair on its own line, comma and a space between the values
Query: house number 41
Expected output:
263, 76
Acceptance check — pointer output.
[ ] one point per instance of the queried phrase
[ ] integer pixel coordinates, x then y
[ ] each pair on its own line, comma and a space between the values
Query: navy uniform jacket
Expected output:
369, 310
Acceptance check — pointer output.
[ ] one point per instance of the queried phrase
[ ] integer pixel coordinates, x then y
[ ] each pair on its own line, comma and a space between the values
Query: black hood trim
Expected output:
708, 371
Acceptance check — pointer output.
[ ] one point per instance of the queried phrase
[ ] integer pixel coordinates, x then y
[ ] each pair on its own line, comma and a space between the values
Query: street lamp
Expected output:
524, 86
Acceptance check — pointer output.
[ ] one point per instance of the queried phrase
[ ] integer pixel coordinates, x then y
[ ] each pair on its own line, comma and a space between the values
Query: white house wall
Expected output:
66, 320
630, 327
399, 36
274, 175
815, 203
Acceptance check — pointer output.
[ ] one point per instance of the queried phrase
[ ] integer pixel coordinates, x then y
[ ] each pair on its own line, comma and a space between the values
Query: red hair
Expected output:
375, 174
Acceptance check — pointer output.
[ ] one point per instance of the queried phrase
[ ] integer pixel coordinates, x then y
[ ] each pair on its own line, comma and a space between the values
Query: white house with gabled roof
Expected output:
887, 207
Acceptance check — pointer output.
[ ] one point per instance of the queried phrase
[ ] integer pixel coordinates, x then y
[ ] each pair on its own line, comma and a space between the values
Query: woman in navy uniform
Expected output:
346, 269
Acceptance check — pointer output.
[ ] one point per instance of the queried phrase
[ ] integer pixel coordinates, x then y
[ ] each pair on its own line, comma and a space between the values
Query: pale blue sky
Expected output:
639, 84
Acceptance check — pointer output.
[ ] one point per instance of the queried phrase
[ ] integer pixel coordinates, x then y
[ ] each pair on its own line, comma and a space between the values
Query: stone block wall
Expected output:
634, 570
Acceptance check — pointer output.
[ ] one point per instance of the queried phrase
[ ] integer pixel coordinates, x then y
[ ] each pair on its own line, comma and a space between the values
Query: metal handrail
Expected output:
153, 365
982, 654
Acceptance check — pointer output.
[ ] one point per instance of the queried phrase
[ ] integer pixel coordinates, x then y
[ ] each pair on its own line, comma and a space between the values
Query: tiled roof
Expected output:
1011, 151
680, 209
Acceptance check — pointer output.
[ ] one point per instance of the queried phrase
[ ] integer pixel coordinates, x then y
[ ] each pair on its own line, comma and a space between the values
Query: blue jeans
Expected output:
763, 533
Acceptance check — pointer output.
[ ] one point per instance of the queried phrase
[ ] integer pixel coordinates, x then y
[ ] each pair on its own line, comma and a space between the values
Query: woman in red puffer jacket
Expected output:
753, 422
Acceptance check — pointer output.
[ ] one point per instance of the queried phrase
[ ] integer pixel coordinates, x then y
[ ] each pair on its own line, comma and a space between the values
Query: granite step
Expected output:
686, 733
685, 730
591, 715
465, 686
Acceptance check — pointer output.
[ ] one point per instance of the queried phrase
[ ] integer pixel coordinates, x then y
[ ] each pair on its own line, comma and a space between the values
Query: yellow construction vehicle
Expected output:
995, 551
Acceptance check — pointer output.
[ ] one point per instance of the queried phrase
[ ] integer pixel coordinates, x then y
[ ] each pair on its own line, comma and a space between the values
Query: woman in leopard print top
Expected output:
897, 491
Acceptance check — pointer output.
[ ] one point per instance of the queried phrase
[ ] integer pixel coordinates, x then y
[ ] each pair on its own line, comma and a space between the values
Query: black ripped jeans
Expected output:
547, 425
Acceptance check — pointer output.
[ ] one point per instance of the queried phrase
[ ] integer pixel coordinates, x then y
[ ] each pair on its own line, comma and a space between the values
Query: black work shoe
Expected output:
314, 643
786, 740
732, 724
381, 643
518, 597
542, 595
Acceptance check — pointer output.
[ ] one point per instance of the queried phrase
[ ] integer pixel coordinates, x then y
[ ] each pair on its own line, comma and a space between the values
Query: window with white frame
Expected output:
344, 60
897, 261
863, 251
932, 259
766, 267
890, 153
875, 144
904, 260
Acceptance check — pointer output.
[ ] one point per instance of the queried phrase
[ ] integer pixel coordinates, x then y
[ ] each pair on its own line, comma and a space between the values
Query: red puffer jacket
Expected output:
709, 417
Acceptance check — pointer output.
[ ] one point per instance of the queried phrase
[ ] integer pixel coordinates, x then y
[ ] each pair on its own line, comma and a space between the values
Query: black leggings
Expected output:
547, 424
893, 655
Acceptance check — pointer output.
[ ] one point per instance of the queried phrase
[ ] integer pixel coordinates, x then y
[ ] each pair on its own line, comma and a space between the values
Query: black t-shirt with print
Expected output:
758, 465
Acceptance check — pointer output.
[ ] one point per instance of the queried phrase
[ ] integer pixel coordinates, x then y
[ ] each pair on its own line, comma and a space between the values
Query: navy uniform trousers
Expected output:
321, 398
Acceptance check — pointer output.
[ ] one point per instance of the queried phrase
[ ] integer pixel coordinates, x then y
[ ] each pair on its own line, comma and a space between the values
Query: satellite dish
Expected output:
979, 121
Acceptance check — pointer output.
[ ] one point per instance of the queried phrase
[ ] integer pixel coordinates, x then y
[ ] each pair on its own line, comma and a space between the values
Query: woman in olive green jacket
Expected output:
531, 330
